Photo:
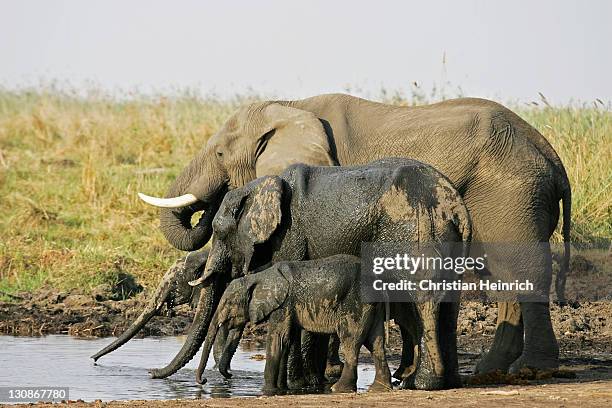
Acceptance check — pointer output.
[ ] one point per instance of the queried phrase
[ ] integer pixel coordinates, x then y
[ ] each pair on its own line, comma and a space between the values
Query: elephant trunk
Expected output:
233, 340
176, 226
208, 343
153, 308
197, 331
206, 181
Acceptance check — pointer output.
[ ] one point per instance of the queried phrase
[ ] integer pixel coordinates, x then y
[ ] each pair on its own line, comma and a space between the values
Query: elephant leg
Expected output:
350, 349
407, 366
334, 365
353, 332
430, 370
541, 350
449, 312
320, 356
314, 357
295, 367
281, 382
531, 223
277, 345
376, 345
405, 316
508, 342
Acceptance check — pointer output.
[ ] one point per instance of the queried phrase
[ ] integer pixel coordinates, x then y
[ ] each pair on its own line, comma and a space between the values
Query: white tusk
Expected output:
174, 202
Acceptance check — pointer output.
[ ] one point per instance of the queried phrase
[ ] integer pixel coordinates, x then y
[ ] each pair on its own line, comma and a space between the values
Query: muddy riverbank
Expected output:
586, 326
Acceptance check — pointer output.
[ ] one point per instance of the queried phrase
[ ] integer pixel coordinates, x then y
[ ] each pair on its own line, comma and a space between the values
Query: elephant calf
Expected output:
322, 296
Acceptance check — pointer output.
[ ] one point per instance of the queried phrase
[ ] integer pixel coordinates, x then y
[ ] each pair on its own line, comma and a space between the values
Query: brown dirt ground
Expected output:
591, 394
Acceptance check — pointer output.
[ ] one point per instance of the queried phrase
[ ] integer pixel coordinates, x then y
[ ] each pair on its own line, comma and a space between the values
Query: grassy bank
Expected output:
70, 168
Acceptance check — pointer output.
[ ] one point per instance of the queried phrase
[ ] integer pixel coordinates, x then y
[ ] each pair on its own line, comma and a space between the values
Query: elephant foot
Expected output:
268, 390
296, 384
334, 370
407, 383
494, 361
423, 382
429, 383
380, 386
540, 363
404, 372
453, 381
314, 381
344, 386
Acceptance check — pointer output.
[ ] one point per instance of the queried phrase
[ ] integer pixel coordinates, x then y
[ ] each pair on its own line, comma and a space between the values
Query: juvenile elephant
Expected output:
508, 174
311, 212
321, 296
173, 290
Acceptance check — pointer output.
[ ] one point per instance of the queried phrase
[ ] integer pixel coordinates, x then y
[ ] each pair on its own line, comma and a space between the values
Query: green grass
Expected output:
70, 167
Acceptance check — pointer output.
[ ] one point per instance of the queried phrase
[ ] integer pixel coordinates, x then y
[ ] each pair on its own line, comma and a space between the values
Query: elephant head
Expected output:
173, 290
259, 139
248, 216
248, 299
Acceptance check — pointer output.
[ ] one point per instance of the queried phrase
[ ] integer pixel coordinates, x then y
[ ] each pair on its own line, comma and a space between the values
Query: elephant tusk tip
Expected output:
146, 198
174, 202
195, 282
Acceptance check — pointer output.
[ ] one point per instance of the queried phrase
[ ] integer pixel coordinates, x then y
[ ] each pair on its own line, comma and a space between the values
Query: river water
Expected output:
63, 361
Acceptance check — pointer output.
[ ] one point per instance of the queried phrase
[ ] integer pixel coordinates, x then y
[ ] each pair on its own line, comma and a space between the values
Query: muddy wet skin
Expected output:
64, 361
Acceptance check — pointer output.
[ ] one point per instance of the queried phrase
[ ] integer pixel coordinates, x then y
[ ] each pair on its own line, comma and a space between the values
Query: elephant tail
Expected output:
567, 213
464, 225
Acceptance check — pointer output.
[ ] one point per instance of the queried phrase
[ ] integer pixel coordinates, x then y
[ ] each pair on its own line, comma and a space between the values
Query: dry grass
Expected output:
70, 168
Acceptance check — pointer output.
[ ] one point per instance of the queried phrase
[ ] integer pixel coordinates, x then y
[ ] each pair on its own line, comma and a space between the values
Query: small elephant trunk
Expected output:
208, 343
231, 344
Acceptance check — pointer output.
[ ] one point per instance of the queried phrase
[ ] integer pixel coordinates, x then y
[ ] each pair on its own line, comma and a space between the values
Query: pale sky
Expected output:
506, 50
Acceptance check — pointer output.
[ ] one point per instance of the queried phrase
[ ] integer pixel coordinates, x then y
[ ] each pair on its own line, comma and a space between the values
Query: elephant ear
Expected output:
264, 213
293, 136
268, 292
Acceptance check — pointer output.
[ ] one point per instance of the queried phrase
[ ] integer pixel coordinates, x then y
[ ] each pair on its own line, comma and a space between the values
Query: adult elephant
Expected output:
508, 174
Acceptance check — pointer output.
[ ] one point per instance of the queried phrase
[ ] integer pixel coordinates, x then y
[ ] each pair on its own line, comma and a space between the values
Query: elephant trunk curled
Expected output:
204, 181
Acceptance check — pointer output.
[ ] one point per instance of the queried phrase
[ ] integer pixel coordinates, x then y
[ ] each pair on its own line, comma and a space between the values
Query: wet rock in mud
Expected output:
102, 292
122, 286
78, 301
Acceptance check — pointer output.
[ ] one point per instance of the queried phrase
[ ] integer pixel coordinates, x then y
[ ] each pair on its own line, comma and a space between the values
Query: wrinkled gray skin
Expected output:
509, 176
298, 216
321, 296
173, 290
